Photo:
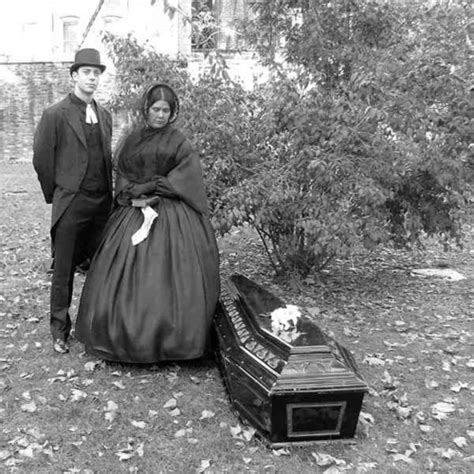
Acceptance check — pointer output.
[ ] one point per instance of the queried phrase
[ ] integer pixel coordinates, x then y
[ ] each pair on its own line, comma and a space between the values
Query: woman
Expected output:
150, 294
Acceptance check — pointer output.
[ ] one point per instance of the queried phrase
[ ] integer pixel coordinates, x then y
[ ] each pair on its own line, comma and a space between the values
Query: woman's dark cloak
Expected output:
153, 301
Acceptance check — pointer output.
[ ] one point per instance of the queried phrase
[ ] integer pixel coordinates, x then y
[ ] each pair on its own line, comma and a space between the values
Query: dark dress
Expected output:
154, 301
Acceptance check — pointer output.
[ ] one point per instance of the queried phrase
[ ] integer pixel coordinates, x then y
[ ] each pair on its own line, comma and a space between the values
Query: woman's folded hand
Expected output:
137, 190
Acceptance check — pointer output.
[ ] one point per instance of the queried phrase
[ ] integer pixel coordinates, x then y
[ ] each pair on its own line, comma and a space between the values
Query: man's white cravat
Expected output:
91, 117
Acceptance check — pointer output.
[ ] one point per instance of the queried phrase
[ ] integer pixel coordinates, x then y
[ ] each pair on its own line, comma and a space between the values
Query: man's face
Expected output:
87, 79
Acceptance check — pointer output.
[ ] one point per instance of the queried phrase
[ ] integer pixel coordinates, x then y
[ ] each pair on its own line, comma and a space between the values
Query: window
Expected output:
217, 23
70, 34
205, 27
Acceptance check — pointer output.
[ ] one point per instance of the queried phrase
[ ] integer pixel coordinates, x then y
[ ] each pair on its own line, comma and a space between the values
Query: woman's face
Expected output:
159, 114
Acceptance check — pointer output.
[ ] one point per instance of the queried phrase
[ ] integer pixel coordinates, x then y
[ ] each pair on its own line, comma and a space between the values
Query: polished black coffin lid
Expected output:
305, 359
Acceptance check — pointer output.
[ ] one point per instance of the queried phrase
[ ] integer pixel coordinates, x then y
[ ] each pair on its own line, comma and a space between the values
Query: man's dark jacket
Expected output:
60, 154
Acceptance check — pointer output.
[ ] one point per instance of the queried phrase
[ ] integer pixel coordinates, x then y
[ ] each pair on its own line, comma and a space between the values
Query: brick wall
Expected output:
26, 89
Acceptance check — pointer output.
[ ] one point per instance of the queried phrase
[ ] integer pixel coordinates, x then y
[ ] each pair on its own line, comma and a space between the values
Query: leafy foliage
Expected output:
373, 123
363, 134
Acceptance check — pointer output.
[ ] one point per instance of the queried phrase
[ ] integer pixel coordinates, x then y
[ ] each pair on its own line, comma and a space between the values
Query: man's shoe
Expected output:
60, 346
83, 267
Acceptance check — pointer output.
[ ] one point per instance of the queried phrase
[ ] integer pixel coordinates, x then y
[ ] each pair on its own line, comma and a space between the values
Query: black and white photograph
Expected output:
237, 236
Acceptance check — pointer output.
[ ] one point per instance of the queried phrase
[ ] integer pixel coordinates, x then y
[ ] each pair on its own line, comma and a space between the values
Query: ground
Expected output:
410, 335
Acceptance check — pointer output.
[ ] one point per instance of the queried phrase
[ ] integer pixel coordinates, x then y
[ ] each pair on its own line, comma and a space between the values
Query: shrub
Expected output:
363, 135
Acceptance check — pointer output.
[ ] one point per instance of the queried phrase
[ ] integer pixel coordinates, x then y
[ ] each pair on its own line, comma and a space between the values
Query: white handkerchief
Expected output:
142, 233
91, 117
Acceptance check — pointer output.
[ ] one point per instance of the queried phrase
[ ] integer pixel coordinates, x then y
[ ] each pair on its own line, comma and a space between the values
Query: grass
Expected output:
410, 335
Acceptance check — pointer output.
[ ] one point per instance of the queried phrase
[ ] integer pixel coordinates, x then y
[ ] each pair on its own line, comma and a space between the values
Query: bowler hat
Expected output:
87, 57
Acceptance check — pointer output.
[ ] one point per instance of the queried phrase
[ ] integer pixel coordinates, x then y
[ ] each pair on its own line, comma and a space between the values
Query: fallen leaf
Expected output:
111, 406
78, 395
366, 417
373, 360
335, 470
446, 366
138, 424
110, 411
388, 381
414, 447
124, 455
119, 385
281, 452
205, 464
460, 441
447, 453
4, 454
426, 428
77, 444
27, 452
248, 434
207, 414
235, 431
403, 412
29, 407
172, 376
445, 273
391, 345
171, 403
402, 457
324, 459
175, 412
180, 433
441, 410
43, 400
458, 386
365, 467
36, 433
91, 365
431, 384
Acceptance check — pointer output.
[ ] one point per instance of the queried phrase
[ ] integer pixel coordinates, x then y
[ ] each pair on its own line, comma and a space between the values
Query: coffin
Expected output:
295, 386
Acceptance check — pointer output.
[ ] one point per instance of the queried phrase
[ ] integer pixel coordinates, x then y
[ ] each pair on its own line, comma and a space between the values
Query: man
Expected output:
72, 158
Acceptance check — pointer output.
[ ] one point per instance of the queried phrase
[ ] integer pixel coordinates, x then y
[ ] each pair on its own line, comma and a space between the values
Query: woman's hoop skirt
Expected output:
154, 301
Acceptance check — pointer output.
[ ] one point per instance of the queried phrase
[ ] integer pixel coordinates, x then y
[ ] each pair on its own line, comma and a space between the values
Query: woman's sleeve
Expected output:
185, 180
122, 195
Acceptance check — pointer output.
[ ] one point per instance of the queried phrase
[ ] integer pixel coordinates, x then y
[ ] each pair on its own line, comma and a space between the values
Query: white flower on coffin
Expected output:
285, 319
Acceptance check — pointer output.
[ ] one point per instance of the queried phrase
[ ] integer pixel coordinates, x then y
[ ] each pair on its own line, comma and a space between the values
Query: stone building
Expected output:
38, 40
